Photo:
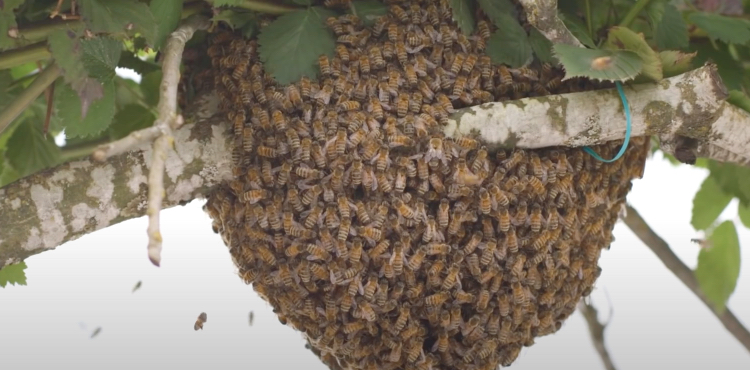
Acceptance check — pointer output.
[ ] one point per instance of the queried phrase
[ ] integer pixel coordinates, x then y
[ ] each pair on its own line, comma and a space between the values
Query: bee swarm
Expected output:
386, 244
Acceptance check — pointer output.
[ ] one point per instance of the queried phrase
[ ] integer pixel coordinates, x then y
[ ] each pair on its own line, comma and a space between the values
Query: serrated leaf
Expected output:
732, 179
509, 44
708, 204
29, 150
542, 46
291, 44
7, 22
744, 212
727, 29
13, 274
132, 117
675, 62
69, 113
719, 265
671, 31
150, 87
168, 12
368, 10
739, 99
67, 50
578, 29
496, 9
622, 65
117, 16
463, 15
100, 57
622, 38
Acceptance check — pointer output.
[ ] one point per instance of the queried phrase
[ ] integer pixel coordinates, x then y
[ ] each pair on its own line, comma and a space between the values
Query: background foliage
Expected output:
626, 39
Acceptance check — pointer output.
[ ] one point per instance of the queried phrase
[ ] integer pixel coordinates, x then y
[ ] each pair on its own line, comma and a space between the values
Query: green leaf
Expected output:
233, 19
291, 44
621, 65
732, 179
67, 50
463, 15
621, 38
100, 57
671, 31
719, 265
675, 62
496, 10
29, 150
8, 174
218, 3
744, 212
727, 29
303, 2
542, 46
368, 10
117, 16
655, 12
708, 204
168, 12
8, 22
578, 29
69, 113
127, 92
150, 87
13, 274
509, 44
23, 70
132, 117
739, 99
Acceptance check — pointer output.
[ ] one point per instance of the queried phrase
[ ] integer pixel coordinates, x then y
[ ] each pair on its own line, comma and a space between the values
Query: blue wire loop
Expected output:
627, 129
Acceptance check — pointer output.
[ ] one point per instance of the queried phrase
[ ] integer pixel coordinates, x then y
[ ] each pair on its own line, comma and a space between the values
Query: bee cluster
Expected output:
387, 244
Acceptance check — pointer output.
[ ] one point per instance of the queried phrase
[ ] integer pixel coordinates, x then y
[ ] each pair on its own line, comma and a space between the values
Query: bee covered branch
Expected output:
690, 105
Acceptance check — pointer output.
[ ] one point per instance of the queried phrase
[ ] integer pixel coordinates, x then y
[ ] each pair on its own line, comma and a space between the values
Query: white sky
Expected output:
87, 283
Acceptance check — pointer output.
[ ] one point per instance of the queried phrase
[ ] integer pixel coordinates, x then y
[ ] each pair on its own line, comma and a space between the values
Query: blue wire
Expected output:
627, 129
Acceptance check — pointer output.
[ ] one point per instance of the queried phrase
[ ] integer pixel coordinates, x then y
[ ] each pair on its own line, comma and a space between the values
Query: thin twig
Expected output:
657, 245
134, 139
26, 54
167, 121
26, 97
268, 7
596, 329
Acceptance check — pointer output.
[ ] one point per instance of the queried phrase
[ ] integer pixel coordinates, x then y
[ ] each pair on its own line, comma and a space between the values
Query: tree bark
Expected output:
49, 208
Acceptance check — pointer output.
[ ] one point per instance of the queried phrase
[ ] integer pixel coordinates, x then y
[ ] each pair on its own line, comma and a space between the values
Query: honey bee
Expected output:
488, 252
437, 299
324, 64
364, 65
437, 249
535, 218
469, 62
254, 196
399, 13
202, 318
511, 240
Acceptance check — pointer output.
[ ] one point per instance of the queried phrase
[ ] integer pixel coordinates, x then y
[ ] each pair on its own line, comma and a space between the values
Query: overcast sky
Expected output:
657, 323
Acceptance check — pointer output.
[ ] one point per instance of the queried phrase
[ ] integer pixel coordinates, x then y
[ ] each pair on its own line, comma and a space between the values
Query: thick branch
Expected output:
657, 245
47, 209
596, 329
690, 105
542, 14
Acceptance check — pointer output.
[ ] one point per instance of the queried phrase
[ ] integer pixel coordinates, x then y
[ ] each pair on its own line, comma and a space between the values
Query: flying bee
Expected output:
202, 318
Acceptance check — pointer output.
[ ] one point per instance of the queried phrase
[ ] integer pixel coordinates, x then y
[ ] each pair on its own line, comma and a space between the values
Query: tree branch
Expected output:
542, 14
657, 245
27, 96
49, 208
690, 105
596, 329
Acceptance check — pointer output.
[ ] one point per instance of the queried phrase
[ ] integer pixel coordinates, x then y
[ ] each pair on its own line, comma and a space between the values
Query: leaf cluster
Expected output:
660, 41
